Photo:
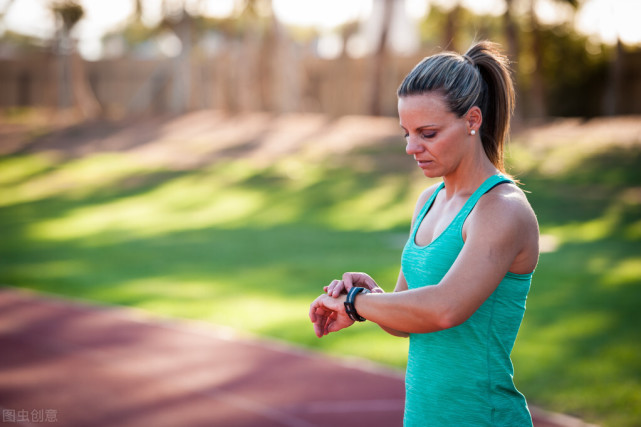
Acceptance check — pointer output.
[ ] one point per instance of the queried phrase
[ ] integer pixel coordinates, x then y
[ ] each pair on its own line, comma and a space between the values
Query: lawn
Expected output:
249, 244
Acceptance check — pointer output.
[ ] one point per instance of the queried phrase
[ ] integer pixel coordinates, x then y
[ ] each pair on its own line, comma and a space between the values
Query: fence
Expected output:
237, 79
234, 80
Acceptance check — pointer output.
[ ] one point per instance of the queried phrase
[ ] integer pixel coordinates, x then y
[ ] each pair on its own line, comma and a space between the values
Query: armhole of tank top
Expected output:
463, 215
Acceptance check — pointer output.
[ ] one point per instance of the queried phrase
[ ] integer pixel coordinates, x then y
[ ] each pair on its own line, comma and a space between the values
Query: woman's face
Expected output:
436, 137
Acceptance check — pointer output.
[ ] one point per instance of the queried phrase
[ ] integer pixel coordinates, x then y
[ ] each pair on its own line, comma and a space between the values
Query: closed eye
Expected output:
428, 135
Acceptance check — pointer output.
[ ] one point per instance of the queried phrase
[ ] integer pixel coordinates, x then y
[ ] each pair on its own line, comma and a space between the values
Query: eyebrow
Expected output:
420, 127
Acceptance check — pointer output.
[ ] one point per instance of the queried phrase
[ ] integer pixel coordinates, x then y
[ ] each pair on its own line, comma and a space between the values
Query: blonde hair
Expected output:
482, 78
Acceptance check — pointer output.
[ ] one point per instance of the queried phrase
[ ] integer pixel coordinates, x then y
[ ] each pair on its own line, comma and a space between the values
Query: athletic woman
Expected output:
467, 266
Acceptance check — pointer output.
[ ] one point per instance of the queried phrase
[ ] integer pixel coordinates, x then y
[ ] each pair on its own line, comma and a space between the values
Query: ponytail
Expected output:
497, 99
479, 78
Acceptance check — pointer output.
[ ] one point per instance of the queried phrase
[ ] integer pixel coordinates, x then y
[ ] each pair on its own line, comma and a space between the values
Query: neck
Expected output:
467, 177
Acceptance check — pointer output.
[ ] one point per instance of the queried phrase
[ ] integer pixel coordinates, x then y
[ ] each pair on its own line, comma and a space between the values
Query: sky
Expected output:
601, 19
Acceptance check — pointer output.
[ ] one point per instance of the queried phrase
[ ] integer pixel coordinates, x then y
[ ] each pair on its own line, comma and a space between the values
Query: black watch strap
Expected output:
349, 303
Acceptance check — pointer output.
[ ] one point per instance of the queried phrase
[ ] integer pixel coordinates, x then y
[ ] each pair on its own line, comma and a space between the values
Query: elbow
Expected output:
433, 322
447, 322
450, 318
451, 312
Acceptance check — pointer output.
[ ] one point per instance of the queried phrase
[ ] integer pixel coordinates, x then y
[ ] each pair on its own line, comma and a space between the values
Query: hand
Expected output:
328, 315
338, 287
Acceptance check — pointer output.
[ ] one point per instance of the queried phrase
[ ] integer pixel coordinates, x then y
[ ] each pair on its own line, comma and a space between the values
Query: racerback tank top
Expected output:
462, 376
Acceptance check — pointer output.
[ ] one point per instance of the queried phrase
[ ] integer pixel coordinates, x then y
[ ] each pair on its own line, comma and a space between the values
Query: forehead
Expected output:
417, 110
428, 103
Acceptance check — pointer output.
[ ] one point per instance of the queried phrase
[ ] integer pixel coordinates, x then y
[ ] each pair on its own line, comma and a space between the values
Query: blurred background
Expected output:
222, 160
575, 58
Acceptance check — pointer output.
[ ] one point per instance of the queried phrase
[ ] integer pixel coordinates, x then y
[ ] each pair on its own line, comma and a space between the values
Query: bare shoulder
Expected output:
508, 204
504, 216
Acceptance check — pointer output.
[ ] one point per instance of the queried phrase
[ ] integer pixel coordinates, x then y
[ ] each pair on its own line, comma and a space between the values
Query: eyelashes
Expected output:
429, 135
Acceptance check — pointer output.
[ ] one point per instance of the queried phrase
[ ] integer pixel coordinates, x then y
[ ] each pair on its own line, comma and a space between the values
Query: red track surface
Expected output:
87, 366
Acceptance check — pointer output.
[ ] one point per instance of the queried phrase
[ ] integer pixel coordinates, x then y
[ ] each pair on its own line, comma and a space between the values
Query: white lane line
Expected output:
350, 406
259, 409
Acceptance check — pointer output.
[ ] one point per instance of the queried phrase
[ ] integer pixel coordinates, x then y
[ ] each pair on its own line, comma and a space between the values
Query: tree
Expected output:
451, 31
380, 57
181, 23
537, 89
73, 86
512, 38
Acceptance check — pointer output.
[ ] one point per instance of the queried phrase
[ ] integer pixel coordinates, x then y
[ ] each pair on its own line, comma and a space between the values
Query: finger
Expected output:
334, 325
348, 281
337, 290
321, 321
365, 280
312, 310
319, 329
330, 321
331, 286
316, 308
312, 313
322, 325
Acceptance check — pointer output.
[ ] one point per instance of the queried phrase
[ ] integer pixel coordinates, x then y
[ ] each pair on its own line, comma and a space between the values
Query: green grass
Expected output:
232, 244
250, 247
578, 349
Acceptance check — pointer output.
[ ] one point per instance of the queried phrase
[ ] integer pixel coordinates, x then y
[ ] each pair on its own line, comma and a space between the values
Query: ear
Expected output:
473, 119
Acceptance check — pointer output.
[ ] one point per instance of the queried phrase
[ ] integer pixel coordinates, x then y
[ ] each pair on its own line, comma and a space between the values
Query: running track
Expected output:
65, 363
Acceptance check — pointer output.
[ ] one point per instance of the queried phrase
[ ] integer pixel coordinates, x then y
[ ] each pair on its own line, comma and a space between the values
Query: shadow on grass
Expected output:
225, 272
580, 336
579, 341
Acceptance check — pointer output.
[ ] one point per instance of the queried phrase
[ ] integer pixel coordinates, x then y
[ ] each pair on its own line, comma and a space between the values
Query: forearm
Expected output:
400, 313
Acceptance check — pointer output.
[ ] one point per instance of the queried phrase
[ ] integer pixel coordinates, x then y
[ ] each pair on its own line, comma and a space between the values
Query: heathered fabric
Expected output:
462, 376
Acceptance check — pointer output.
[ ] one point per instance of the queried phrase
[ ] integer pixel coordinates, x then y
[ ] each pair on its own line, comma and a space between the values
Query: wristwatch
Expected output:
349, 303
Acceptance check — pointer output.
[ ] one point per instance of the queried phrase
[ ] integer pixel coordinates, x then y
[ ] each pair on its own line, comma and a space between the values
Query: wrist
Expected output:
350, 309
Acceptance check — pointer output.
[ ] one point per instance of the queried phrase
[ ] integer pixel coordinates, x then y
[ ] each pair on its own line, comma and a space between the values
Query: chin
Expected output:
431, 174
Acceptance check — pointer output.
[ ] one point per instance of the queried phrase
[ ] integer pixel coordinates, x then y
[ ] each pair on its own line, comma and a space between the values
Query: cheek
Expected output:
442, 148
447, 150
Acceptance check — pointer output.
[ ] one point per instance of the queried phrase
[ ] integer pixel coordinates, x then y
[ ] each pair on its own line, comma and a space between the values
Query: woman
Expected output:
467, 266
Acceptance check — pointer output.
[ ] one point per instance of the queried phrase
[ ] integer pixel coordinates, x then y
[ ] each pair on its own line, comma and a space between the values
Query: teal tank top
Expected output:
462, 376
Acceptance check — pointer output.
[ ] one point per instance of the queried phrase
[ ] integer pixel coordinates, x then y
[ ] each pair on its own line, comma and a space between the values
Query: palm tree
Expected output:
380, 58
69, 13
73, 85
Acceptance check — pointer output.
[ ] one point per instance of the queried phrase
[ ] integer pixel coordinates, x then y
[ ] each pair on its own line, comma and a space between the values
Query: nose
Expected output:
413, 147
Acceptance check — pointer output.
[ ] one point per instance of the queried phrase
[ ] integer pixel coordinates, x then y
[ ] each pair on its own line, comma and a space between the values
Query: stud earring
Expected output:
472, 132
